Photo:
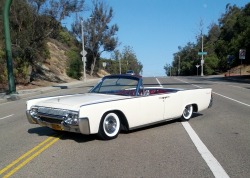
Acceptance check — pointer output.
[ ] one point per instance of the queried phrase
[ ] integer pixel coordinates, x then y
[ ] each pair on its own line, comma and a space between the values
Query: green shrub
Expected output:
1, 53
74, 69
64, 37
3, 73
21, 71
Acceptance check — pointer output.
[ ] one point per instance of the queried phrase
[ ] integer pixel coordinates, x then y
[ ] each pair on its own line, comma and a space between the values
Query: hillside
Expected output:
239, 70
53, 70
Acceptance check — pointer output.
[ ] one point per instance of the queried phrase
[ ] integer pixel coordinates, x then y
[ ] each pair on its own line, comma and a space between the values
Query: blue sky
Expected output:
155, 28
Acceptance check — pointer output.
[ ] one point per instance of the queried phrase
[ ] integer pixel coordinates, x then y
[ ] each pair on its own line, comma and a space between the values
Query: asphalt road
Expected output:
163, 150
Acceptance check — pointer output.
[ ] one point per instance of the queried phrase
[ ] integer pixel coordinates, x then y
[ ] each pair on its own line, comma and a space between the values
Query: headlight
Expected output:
34, 111
72, 118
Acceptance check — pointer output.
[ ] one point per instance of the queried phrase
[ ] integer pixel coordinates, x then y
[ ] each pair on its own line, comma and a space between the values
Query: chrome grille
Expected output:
52, 115
51, 120
52, 111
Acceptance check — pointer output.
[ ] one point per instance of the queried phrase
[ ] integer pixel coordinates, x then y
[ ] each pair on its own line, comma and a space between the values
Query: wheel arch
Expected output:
122, 117
195, 107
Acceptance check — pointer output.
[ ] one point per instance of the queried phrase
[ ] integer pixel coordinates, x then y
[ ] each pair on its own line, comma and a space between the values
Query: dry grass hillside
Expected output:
53, 69
57, 63
239, 70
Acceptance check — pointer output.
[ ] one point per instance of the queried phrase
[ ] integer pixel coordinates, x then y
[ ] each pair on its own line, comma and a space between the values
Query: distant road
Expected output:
164, 150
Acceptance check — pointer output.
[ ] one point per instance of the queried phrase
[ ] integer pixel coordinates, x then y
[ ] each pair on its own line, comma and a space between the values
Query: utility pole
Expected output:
120, 66
179, 66
84, 53
202, 60
6, 11
170, 70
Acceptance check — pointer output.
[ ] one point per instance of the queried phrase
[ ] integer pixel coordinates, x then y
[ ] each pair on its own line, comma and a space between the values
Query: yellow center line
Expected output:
31, 157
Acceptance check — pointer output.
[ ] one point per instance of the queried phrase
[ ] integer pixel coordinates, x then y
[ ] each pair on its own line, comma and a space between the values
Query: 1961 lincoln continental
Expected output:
117, 102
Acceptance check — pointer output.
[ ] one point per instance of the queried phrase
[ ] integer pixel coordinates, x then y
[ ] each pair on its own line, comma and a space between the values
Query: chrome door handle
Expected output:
164, 97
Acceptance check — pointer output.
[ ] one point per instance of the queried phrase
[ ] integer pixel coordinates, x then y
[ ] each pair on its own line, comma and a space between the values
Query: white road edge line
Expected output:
158, 82
6, 116
231, 99
218, 94
211, 161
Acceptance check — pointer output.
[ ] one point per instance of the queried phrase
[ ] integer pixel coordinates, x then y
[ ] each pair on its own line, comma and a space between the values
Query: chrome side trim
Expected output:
84, 126
154, 123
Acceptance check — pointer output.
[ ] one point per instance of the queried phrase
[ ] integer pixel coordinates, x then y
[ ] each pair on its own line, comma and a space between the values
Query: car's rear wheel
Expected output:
187, 113
110, 126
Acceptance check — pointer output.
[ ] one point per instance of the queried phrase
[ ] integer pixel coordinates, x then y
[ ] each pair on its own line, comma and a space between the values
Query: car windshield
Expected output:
117, 86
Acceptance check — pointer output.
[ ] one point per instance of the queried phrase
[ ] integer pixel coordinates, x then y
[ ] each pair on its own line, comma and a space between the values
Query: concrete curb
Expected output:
24, 94
32, 92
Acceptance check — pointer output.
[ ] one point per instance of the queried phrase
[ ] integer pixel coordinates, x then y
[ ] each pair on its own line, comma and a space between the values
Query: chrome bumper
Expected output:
82, 128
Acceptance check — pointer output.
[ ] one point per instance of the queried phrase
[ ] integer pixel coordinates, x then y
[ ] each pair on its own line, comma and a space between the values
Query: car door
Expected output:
146, 110
172, 105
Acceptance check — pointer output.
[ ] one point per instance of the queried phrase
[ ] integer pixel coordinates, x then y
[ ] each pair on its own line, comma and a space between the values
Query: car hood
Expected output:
74, 102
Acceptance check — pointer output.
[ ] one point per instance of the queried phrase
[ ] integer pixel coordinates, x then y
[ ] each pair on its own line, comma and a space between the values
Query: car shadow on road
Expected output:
45, 131
41, 131
77, 137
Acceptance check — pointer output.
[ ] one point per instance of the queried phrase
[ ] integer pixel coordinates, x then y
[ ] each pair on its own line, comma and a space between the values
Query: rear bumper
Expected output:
211, 102
82, 128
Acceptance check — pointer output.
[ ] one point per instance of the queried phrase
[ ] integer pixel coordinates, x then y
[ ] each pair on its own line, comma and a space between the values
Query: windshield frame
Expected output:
128, 85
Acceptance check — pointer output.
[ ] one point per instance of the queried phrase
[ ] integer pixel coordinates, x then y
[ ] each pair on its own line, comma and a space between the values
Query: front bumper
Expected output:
82, 128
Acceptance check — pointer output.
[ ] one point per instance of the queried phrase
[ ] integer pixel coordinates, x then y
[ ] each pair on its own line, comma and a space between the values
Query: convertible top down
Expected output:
117, 102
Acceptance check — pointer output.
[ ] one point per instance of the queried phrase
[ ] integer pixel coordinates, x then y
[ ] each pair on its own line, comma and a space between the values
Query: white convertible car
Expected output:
117, 102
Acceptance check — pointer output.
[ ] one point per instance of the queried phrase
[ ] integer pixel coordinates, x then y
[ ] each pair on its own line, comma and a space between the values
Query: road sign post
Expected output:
104, 64
202, 53
197, 66
84, 53
242, 54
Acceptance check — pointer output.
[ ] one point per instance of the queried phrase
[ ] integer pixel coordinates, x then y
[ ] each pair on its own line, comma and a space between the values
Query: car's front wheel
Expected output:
109, 127
187, 113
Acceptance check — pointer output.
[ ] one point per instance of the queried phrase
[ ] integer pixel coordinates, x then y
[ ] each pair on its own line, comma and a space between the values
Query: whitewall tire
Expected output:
187, 113
110, 126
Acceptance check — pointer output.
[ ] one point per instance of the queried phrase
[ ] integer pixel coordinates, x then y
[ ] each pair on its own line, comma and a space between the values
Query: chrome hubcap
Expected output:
110, 125
188, 111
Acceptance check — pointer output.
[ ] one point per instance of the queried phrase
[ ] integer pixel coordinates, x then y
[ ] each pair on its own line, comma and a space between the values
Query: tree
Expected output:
188, 59
167, 69
32, 23
129, 61
227, 43
54, 12
99, 35
222, 42
117, 56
